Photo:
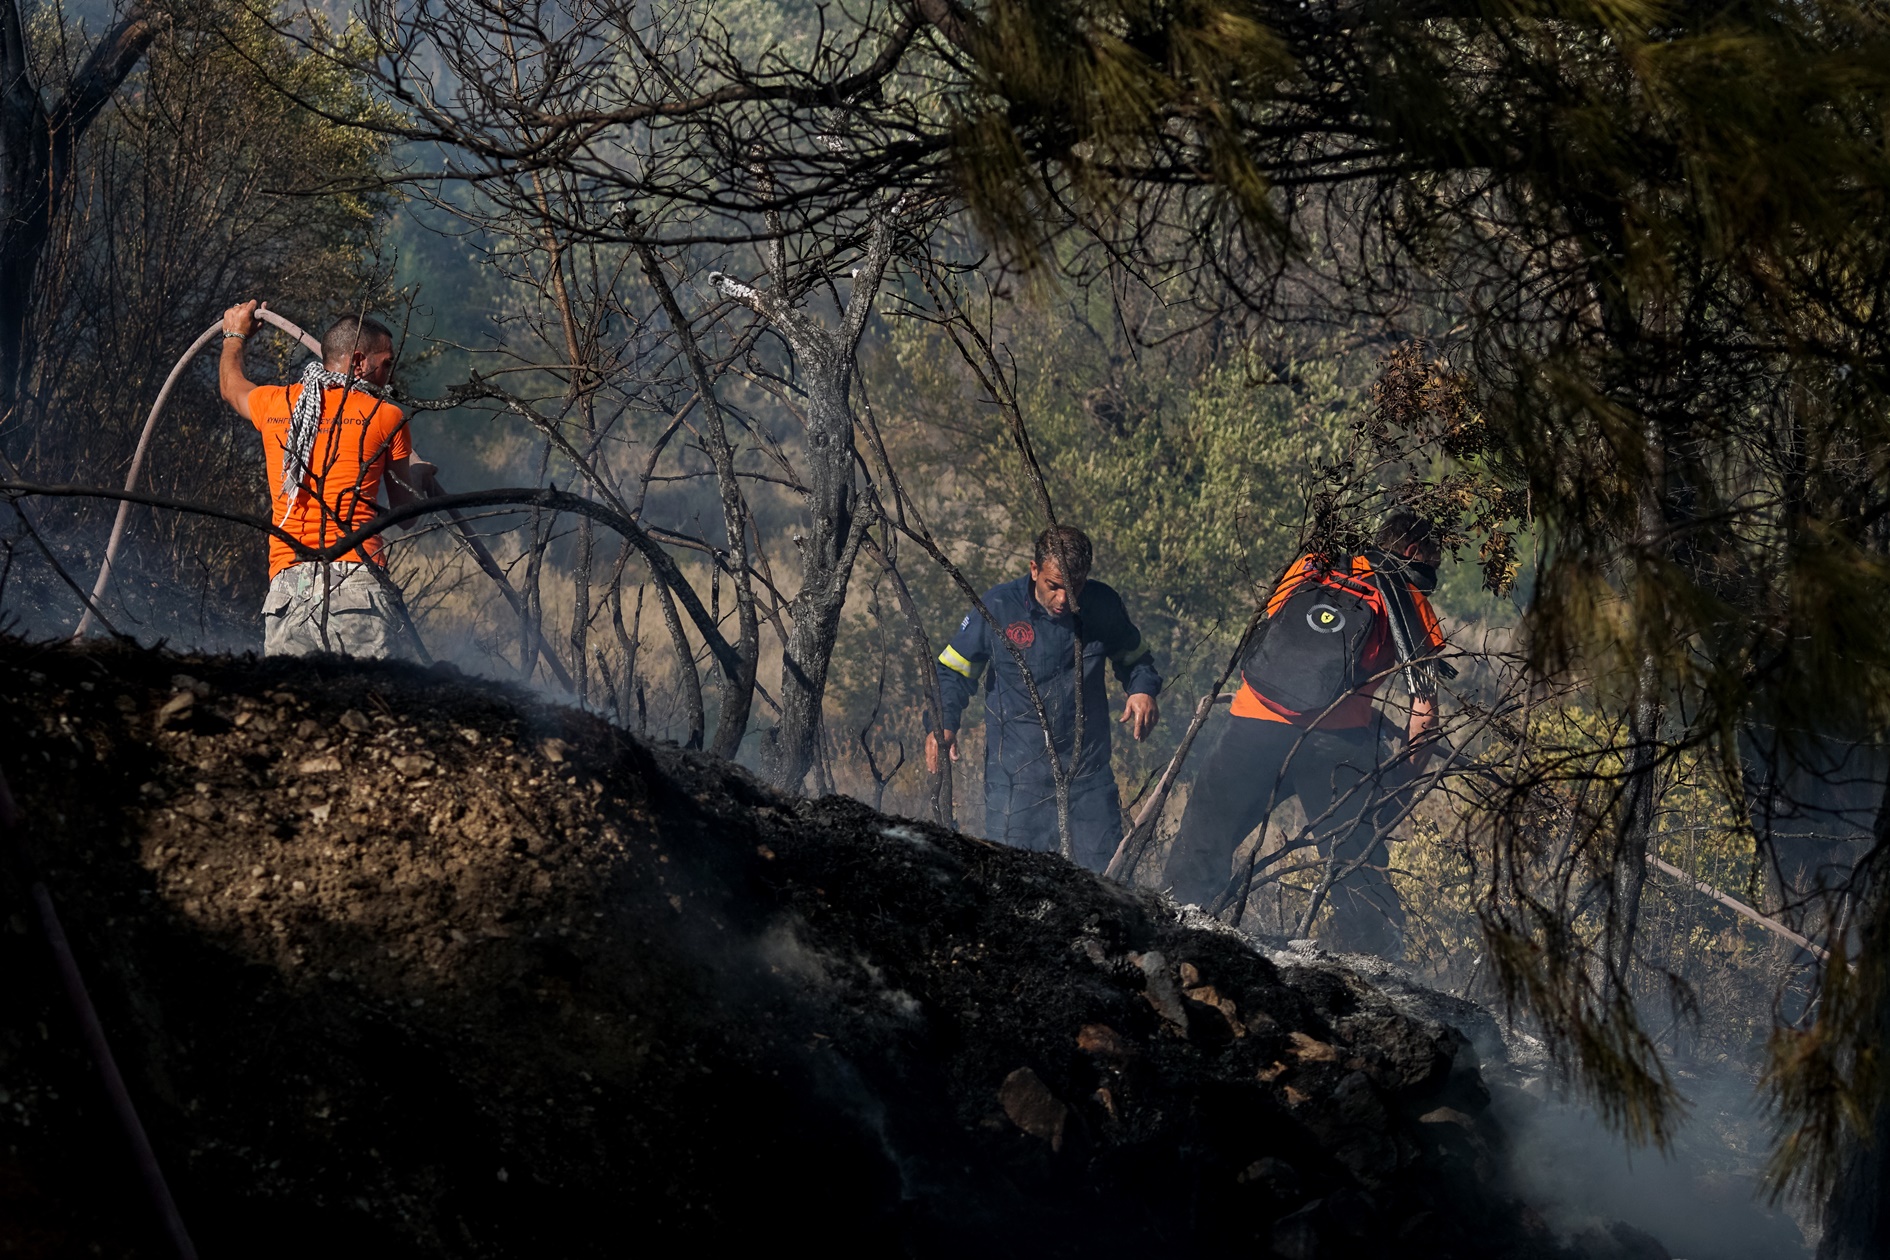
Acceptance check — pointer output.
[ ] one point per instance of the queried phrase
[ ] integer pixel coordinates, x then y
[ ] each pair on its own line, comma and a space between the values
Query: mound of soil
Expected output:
404, 964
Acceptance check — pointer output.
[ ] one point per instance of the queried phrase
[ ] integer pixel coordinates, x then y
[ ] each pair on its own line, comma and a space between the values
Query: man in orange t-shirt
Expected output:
1303, 724
326, 463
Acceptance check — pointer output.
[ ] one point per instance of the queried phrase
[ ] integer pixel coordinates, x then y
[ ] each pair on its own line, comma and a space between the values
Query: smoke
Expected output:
50, 561
1702, 1199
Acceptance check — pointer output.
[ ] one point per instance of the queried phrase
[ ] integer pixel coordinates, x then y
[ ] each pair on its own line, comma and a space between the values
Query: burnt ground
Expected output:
400, 963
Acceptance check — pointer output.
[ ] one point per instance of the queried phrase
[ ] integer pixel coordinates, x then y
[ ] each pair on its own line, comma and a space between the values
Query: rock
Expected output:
1159, 988
1261, 1024
176, 705
325, 764
1033, 1108
413, 767
1296, 1237
1310, 1050
1104, 1042
1359, 1103
1275, 1176
1356, 1128
356, 721
556, 750
1208, 995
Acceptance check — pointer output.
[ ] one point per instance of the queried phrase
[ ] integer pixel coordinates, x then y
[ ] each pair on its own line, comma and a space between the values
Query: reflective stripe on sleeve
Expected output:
951, 660
1134, 652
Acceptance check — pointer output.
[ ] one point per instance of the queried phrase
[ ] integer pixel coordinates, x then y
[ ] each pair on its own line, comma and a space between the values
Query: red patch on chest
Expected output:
1021, 633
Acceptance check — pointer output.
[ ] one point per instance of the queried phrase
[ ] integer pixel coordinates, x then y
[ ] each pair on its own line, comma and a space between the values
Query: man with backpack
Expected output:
1038, 621
1304, 724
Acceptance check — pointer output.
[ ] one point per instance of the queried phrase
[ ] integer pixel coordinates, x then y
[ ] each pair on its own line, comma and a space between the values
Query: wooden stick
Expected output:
1741, 908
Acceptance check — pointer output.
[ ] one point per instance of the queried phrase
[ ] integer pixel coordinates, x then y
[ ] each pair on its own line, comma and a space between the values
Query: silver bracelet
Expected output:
230, 336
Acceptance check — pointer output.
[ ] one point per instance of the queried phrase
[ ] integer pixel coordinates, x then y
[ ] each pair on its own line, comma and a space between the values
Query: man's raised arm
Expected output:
238, 323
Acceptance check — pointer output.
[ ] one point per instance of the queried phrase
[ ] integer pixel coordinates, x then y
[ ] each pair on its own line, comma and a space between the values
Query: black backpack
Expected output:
1309, 652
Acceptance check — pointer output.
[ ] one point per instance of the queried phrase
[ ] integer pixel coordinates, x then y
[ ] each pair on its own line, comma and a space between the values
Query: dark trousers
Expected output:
1021, 811
1255, 765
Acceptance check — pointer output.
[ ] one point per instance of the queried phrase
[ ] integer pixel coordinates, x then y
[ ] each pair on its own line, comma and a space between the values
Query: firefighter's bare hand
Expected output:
1141, 713
934, 741
241, 318
1421, 732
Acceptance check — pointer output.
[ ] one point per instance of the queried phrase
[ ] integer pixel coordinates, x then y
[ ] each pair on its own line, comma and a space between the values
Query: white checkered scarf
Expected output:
305, 421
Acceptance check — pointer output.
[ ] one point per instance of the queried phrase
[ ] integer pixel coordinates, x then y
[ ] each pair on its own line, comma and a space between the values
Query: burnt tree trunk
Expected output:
738, 685
1857, 1212
37, 145
1856, 1217
836, 526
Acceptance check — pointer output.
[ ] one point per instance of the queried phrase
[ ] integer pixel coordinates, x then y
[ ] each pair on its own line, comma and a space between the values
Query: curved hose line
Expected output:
15, 845
467, 535
144, 447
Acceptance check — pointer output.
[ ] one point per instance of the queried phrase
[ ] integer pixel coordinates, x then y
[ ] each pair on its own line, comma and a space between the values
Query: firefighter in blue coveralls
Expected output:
1041, 616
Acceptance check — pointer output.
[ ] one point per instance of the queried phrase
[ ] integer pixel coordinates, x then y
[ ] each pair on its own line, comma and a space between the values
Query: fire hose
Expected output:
91, 1031
467, 535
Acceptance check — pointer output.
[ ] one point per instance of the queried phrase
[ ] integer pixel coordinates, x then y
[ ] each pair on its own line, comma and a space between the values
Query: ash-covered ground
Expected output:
397, 963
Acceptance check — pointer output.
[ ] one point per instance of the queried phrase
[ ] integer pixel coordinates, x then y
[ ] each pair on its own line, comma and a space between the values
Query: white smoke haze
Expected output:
1702, 1199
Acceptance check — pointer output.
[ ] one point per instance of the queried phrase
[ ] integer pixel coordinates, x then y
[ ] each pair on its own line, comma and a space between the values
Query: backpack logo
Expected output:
1311, 653
1021, 633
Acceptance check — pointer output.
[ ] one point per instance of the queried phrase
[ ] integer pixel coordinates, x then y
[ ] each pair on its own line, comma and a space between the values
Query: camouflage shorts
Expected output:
340, 608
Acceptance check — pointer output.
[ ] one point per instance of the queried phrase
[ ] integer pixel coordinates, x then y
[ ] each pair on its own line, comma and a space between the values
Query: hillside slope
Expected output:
406, 964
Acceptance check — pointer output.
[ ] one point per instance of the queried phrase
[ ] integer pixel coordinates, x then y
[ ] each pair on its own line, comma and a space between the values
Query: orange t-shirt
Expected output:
350, 453
1380, 653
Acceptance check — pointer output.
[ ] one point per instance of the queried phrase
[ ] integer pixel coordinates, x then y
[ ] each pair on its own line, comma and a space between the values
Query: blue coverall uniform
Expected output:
1020, 800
